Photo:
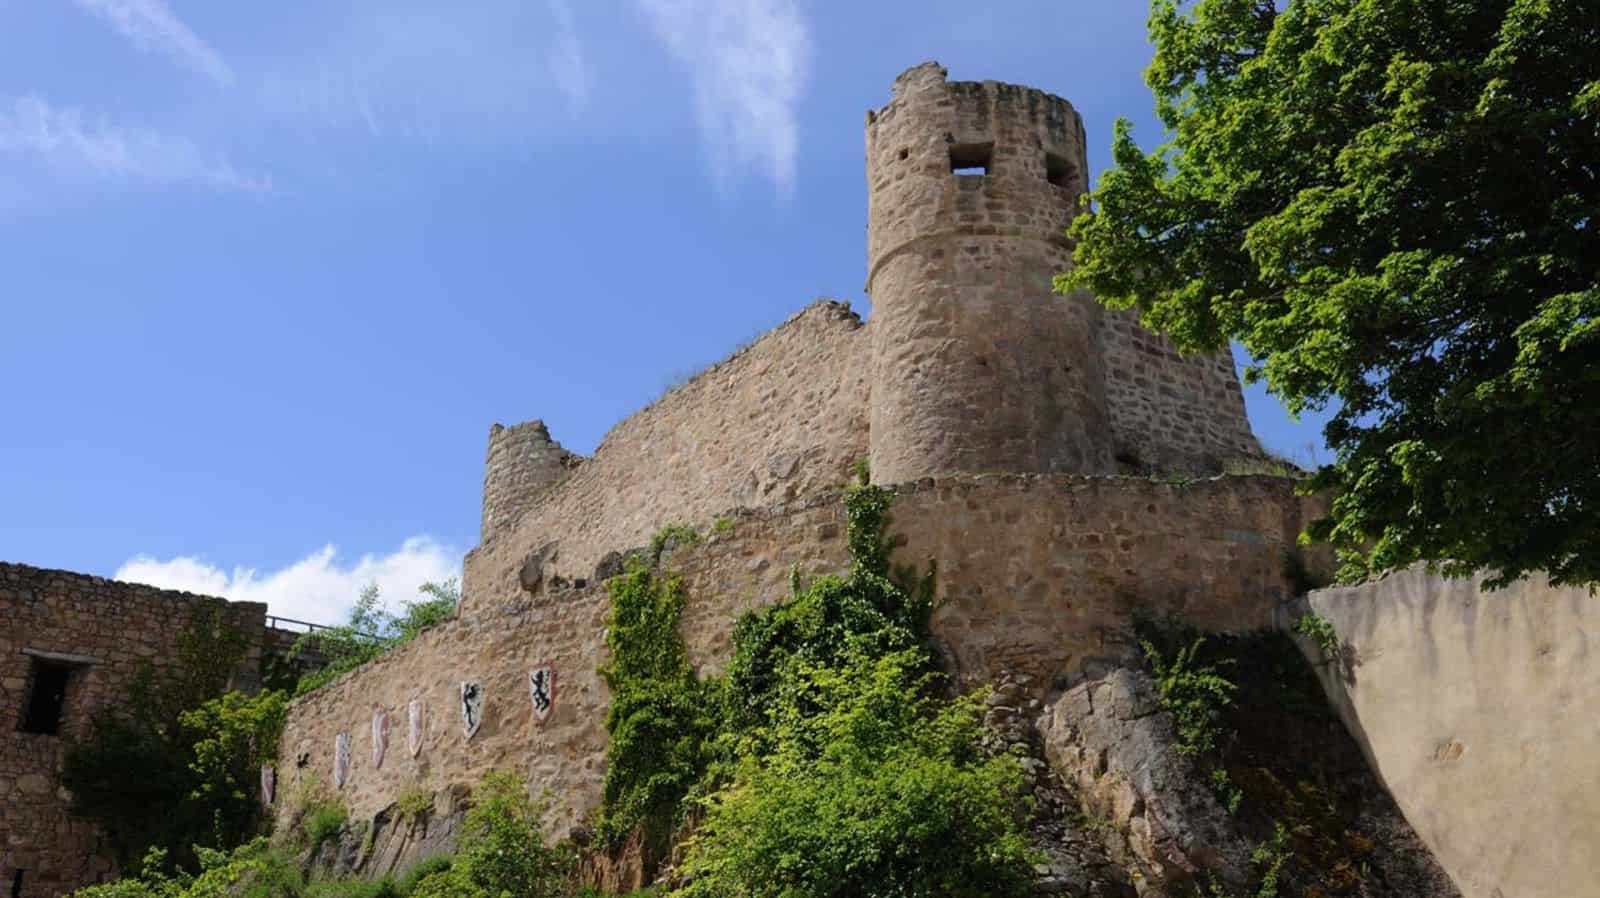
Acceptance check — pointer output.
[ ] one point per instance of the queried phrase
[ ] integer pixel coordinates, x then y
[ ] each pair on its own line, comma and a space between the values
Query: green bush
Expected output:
256, 870
1193, 691
1320, 630
253, 870
872, 787
324, 821
842, 770
502, 851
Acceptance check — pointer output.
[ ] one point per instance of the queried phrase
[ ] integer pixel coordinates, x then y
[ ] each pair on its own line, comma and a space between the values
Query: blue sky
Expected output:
270, 271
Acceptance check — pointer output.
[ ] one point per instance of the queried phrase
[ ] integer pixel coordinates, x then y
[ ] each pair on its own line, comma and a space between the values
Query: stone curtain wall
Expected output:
1170, 412
1480, 711
496, 646
1035, 573
107, 629
523, 462
782, 418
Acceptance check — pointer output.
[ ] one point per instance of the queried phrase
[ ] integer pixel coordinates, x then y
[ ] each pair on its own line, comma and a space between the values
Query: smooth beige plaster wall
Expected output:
1481, 713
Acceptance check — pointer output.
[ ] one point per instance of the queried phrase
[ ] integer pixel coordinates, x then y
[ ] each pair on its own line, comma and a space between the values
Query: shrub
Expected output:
844, 772
324, 821
414, 803
502, 850
253, 870
1195, 693
1320, 630
871, 787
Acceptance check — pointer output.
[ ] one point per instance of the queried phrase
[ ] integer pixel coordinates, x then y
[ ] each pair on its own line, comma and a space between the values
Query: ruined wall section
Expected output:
782, 418
1170, 412
103, 631
1036, 574
523, 463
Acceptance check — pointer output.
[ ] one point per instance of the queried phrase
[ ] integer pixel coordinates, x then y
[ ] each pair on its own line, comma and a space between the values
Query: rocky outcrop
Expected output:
1287, 793
1110, 740
393, 841
1074, 862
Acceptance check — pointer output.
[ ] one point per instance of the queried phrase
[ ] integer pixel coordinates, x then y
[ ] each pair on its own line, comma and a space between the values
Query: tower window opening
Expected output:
971, 158
47, 700
1058, 170
16, 884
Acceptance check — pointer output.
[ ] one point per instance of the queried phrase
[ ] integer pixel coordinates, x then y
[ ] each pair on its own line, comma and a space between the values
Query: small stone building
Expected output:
71, 644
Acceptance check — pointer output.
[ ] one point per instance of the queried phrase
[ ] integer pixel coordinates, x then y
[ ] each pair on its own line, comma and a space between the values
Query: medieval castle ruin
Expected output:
1018, 430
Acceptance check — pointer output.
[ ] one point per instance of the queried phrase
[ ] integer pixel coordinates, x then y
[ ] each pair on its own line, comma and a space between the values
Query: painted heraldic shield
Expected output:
414, 714
542, 690
380, 735
471, 707
341, 759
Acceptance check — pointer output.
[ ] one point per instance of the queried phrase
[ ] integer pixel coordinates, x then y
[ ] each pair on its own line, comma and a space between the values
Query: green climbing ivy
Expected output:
662, 716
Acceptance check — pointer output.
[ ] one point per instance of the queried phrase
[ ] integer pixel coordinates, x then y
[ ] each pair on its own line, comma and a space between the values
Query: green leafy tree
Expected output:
372, 630
235, 735
132, 774
1394, 205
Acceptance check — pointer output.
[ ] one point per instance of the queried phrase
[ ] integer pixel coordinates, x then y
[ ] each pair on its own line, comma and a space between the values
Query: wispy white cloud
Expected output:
153, 27
567, 63
748, 60
319, 588
62, 136
490, 72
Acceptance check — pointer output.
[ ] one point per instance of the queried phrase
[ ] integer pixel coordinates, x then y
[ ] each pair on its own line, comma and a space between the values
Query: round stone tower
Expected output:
977, 364
523, 462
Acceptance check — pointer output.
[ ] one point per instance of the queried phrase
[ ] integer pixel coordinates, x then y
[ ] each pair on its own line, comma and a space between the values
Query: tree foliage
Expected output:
1392, 205
372, 630
843, 770
871, 785
136, 772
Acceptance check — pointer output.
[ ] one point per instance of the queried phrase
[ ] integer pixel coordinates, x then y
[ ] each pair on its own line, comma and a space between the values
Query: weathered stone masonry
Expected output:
97, 633
1036, 573
969, 366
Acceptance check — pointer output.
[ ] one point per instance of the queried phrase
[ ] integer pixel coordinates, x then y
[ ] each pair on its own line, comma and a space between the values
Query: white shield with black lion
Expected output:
471, 707
542, 691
